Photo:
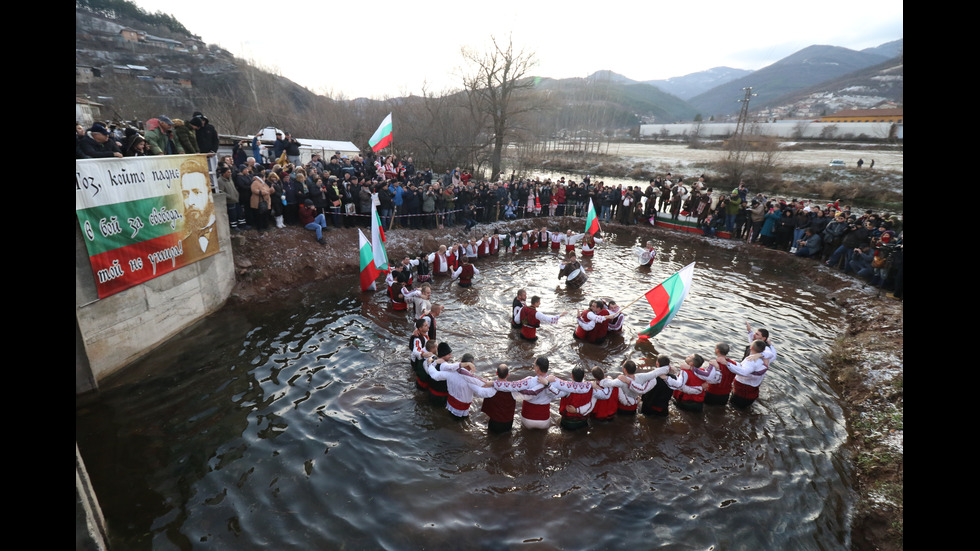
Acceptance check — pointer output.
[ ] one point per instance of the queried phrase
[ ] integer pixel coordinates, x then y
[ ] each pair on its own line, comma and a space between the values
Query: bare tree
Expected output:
495, 85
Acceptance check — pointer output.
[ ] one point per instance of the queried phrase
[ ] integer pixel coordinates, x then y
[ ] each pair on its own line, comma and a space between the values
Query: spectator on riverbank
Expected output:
160, 137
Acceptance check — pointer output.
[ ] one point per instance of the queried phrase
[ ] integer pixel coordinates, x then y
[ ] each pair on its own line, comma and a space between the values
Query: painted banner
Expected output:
142, 217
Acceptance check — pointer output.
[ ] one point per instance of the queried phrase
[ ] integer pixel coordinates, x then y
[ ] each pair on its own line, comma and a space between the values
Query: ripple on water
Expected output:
299, 426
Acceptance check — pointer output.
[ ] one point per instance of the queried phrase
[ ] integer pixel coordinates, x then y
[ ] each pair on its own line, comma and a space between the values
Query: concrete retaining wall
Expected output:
114, 331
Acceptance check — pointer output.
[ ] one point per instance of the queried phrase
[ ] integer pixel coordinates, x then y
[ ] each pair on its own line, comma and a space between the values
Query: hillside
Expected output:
875, 86
808, 67
689, 86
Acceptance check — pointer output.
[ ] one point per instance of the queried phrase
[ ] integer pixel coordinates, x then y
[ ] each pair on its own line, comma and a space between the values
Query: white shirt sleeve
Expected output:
544, 318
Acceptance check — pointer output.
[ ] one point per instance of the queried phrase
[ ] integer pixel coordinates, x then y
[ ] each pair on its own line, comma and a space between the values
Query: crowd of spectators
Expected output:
339, 192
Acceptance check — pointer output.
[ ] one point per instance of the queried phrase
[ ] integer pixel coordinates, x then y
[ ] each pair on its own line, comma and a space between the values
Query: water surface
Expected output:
296, 424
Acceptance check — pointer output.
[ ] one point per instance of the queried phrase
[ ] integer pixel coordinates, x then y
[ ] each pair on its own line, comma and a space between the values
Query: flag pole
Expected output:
634, 301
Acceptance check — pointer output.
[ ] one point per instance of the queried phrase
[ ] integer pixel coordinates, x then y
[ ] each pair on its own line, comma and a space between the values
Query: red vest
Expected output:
588, 249
500, 407
577, 400
397, 301
437, 265
529, 323
466, 276
605, 409
597, 333
692, 380
724, 388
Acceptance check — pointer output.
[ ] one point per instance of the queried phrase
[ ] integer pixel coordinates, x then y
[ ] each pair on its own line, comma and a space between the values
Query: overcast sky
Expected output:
396, 48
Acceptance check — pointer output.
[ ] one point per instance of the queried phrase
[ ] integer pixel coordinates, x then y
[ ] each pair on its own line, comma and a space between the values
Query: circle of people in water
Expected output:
454, 384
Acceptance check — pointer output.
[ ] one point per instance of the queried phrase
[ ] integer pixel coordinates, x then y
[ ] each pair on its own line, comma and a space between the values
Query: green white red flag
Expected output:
378, 241
368, 272
666, 299
382, 136
592, 221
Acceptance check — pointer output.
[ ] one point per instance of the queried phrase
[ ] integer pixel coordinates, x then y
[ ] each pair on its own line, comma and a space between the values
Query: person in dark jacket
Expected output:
97, 144
207, 135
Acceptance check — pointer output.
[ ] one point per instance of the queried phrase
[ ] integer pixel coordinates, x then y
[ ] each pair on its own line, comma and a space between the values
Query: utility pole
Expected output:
738, 147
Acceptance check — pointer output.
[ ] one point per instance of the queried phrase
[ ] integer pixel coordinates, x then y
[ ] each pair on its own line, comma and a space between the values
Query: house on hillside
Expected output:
87, 111
129, 34
161, 42
866, 115
85, 74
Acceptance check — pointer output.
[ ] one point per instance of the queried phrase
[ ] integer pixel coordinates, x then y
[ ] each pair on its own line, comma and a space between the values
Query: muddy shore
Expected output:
866, 362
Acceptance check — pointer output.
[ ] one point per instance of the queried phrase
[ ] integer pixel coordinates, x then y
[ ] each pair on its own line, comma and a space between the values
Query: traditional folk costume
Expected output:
417, 344
616, 324
717, 393
536, 409
748, 378
645, 256
419, 304
690, 402
483, 247
574, 274
461, 386
544, 237
592, 327
465, 274
601, 406
530, 321
515, 313
556, 240
439, 263
574, 420
749, 375
525, 239
397, 299
500, 410
589, 243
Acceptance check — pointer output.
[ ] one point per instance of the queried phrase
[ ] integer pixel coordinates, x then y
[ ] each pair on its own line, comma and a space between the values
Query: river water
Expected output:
296, 425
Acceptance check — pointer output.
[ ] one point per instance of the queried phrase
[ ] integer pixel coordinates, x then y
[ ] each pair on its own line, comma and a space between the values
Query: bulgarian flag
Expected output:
368, 272
592, 221
382, 136
378, 241
666, 299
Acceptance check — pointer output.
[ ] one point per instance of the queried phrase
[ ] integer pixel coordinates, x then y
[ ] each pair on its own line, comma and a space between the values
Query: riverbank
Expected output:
866, 362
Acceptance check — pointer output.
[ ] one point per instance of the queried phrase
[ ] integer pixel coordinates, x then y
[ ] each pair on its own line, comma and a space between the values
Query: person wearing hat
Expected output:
732, 208
207, 135
312, 220
438, 389
97, 145
133, 144
160, 137
186, 134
